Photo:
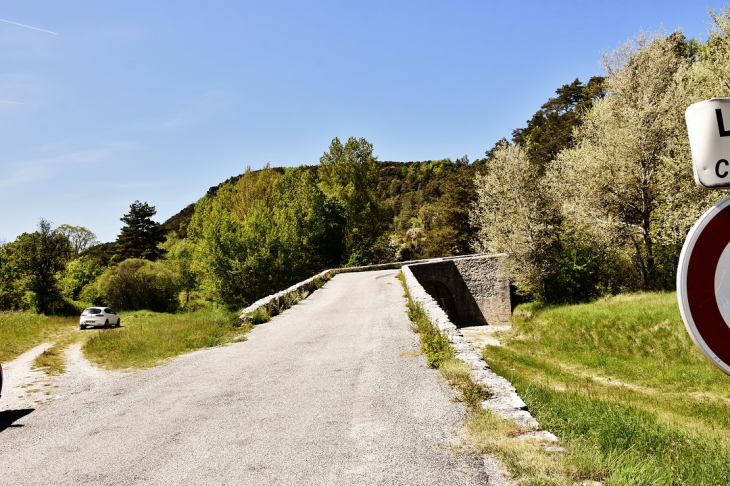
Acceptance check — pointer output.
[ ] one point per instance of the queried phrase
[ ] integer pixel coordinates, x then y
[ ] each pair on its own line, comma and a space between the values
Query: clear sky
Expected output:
158, 101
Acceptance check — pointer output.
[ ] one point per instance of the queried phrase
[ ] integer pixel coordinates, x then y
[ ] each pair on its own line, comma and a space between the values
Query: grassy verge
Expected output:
440, 354
52, 361
623, 386
530, 461
21, 331
149, 338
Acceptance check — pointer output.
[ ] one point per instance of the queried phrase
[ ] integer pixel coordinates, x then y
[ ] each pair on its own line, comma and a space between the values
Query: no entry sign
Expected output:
703, 284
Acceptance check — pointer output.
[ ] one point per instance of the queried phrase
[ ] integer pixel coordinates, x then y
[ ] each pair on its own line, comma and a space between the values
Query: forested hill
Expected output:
593, 196
427, 205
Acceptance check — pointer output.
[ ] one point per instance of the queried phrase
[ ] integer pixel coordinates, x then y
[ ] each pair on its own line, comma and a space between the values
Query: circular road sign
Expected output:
703, 284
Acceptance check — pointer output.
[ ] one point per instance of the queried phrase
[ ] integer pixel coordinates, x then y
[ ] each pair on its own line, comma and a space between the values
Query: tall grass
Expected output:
440, 354
149, 338
21, 331
624, 387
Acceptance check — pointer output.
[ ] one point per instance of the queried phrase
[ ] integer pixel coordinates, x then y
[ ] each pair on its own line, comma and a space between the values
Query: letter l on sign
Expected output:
710, 142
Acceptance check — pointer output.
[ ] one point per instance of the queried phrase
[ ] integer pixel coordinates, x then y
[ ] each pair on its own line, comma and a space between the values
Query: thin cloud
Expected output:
198, 110
12, 102
29, 27
31, 171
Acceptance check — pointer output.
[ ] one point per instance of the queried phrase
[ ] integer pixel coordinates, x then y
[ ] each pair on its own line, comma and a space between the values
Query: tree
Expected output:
11, 292
627, 179
233, 257
350, 173
80, 238
140, 235
181, 258
514, 215
139, 284
77, 274
37, 258
254, 188
550, 130
310, 225
710, 76
290, 234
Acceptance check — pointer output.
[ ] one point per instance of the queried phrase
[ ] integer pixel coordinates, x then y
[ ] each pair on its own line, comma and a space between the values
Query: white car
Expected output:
99, 316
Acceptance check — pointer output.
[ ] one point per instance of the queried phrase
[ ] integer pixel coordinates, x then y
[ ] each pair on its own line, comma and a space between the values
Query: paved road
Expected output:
330, 392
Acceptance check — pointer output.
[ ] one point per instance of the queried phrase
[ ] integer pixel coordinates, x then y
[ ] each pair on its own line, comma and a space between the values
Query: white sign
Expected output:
708, 124
703, 284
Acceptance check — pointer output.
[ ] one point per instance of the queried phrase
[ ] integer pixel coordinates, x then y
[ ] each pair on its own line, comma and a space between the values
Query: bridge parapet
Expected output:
471, 289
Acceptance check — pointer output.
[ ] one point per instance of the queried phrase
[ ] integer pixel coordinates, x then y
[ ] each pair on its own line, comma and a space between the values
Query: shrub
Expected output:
67, 307
139, 284
259, 316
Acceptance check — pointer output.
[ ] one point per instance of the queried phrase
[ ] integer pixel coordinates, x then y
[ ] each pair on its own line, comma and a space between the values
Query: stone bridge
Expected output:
470, 289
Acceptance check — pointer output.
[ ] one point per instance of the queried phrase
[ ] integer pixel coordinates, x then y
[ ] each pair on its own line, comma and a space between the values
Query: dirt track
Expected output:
330, 392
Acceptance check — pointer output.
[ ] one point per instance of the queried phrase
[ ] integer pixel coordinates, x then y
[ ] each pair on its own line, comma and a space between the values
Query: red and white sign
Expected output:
703, 284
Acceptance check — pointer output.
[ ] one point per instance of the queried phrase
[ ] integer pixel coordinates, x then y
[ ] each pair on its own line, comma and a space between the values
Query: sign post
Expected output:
703, 276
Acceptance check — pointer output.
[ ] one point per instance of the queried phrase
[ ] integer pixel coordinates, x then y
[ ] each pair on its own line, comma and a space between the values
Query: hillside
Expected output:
427, 204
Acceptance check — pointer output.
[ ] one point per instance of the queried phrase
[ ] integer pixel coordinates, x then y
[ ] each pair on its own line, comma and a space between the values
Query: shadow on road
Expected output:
7, 417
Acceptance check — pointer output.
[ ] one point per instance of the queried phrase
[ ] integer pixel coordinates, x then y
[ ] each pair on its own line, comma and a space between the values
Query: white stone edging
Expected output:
505, 401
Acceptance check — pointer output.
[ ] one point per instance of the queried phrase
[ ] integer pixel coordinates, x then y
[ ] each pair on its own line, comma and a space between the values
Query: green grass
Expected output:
624, 387
530, 461
149, 338
440, 354
21, 331
51, 361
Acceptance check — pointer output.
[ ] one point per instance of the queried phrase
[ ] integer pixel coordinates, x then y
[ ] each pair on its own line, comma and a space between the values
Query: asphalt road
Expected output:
330, 392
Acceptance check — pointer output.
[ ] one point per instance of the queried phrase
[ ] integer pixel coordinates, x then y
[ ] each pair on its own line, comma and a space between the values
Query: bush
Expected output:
90, 293
259, 316
139, 284
67, 307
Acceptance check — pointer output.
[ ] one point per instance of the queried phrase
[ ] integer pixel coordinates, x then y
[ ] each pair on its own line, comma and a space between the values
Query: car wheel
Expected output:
82, 327
106, 324
119, 321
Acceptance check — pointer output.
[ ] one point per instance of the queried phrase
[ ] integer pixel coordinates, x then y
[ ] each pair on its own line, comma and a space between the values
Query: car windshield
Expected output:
92, 310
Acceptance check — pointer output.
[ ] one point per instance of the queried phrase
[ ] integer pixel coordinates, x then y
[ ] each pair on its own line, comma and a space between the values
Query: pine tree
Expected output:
140, 235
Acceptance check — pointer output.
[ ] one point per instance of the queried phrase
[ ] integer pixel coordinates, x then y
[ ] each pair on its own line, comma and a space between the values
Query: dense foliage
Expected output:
29, 269
139, 284
609, 210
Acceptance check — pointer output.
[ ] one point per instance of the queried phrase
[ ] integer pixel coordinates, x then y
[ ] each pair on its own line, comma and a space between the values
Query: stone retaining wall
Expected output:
505, 401
488, 286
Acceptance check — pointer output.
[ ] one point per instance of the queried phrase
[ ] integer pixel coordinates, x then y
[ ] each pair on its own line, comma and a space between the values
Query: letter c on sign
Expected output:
717, 168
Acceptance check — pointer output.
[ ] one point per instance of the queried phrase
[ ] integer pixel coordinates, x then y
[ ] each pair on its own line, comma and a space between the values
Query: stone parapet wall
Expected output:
308, 285
504, 401
471, 290
488, 285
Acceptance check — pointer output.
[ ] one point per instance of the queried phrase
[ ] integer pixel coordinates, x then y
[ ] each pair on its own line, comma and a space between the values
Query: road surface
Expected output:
332, 391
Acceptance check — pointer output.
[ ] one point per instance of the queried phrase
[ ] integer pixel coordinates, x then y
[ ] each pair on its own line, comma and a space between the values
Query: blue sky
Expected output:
158, 101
